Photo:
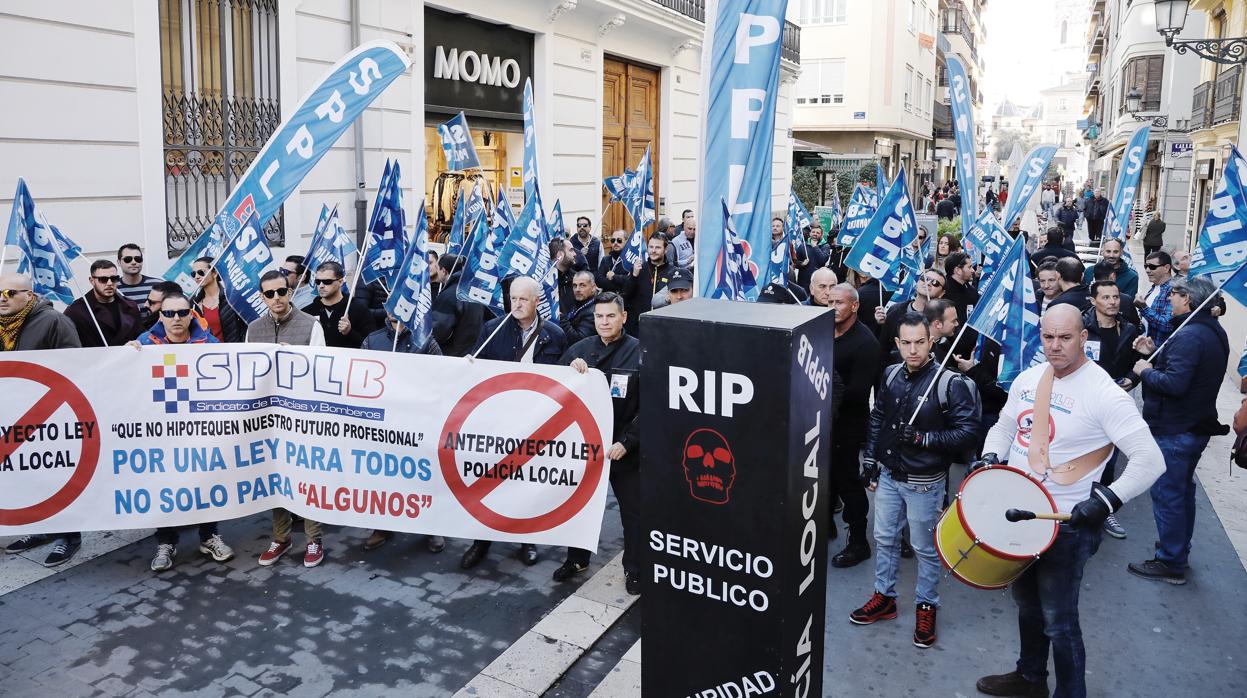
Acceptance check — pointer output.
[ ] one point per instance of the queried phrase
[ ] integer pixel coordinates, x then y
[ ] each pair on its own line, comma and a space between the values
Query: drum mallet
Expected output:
1023, 515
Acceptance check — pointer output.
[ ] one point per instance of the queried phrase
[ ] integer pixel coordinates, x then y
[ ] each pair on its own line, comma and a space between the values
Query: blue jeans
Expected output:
1047, 599
896, 503
1173, 497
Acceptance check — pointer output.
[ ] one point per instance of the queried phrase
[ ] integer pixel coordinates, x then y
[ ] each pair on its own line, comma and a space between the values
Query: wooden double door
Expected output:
630, 102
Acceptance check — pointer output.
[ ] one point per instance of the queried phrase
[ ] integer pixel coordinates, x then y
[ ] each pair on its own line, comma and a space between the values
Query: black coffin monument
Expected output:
735, 444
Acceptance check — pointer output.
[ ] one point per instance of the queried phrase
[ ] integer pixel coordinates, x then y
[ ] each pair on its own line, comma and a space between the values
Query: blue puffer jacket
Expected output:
1180, 392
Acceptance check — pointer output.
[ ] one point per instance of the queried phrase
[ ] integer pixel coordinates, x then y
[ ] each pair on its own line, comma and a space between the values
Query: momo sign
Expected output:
475, 67
212, 432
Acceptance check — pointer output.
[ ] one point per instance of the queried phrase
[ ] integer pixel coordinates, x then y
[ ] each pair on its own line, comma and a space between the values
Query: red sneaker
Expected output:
879, 607
315, 554
275, 550
924, 626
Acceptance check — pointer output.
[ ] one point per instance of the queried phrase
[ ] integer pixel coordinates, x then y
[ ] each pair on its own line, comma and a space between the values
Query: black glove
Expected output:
1091, 512
870, 473
985, 459
912, 437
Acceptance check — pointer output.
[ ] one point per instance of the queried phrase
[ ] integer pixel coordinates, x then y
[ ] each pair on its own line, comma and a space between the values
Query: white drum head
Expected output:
988, 493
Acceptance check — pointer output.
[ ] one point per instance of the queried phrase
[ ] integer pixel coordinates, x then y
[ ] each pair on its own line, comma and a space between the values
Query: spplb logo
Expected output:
167, 375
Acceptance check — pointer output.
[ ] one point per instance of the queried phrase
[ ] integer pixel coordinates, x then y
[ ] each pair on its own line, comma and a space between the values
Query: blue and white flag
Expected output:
837, 213
862, 206
1027, 181
46, 251
527, 253
387, 237
314, 126
892, 229
331, 243
734, 272
557, 228
530, 142
1008, 314
990, 242
411, 300
457, 145
459, 222
633, 251
963, 132
619, 188
1127, 185
1222, 244
740, 88
208, 244
643, 206
881, 177
482, 279
781, 256
241, 264
1236, 285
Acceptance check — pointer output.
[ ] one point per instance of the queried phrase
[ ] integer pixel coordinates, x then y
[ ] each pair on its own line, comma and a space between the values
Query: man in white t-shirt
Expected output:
1087, 415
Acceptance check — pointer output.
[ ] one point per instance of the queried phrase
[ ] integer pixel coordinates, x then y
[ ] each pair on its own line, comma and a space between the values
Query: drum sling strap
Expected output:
1041, 435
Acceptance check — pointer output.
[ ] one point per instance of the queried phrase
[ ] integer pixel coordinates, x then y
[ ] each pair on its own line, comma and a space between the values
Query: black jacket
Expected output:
640, 298
1067, 217
946, 209
856, 358
818, 256
126, 325
868, 300
592, 252
577, 323
992, 397
564, 283
619, 358
1180, 394
456, 323
233, 329
1053, 252
506, 345
1123, 352
47, 328
621, 282
960, 295
1077, 296
1097, 208
328, 317
373, 296
950, 432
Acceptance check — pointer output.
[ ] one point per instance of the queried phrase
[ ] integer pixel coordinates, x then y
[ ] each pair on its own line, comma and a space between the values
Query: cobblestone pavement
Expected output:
396, 621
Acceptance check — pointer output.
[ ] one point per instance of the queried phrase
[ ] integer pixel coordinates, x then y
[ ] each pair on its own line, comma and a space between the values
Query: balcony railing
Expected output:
790, 46
1226, 92
1201, 105
956, 20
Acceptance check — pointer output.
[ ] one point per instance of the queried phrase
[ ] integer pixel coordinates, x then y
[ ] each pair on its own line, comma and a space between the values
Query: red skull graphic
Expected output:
709, 466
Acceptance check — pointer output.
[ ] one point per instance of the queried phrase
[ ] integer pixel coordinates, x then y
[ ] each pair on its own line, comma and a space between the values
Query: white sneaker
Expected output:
1113, 528
217, 548
165, 552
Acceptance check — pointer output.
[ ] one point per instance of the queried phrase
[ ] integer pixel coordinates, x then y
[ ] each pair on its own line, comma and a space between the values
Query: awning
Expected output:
799, 145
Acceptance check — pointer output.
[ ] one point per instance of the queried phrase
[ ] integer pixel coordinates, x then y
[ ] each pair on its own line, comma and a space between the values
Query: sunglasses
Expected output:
7, 293
275, 292
176, 313
107, 279
132, 259
199, 273
326, 282
1154, 267
619, 241
582, 225
934, 283
284, 271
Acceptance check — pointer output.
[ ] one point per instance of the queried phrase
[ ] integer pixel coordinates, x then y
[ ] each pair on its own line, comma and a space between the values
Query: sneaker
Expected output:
1157, 570
435, 544
632, 584
879, 607
1113, 527
924, 626
217, 548
165, 552
852, 554
315, 554
25, 543
1012, 684
567, 570
275, 550
62, 550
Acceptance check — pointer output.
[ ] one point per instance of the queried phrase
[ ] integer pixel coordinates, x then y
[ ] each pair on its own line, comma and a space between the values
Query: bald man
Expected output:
1093, 417
821, 282
29, 322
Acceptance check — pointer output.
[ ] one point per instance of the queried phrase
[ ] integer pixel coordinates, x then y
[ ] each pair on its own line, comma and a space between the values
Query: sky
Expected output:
1018, 53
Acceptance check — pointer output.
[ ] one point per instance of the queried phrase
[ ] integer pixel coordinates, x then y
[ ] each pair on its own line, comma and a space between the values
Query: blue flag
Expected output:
892, 229
619, 187
387, 237
963, 132
633, 251
241, 264
990, 242
643, 206
1127, 185
530, 142
482, 279
1242, 363
837, 213
46, 251
458, 224
1027, 181
862, 205
331, 243
734, 272
557, 229
739, 92
881, 177
1008, 314
411, 300
457, 145
1222, 243
208, 244
1236, 285
527, 253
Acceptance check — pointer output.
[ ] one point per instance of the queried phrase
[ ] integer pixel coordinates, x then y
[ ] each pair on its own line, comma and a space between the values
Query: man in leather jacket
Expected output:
906, 465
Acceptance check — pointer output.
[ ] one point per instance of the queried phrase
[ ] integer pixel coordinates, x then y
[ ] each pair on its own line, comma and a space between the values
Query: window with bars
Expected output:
1144, 74
821, 82
218, 62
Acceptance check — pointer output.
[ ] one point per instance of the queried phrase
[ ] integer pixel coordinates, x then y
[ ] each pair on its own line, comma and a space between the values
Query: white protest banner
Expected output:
116, 438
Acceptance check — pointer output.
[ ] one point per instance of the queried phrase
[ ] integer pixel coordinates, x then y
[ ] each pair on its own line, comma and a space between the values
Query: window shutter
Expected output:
1152, 85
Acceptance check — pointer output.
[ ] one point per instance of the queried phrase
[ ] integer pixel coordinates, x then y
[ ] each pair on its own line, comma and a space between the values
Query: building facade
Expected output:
138, 117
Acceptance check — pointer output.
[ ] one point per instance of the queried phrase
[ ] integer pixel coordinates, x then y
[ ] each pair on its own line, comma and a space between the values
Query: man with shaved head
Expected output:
1060, 425
28, 322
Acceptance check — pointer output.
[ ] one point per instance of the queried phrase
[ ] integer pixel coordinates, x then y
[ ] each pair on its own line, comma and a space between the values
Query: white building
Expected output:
1060, 109
131, 119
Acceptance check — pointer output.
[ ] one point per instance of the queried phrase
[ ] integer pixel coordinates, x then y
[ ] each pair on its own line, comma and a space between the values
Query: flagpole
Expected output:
397, 331
934, 378
1192, 314
461, 256
359, 264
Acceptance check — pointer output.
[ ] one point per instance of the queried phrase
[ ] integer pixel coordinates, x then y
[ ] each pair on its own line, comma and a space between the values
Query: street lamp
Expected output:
1134, 100
1171, 18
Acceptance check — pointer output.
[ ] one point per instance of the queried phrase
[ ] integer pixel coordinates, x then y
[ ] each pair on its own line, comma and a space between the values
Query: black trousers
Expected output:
846, 482
1094, 229
626, 484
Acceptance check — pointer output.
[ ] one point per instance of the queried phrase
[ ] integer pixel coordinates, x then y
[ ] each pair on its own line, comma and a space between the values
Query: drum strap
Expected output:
1037, 452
